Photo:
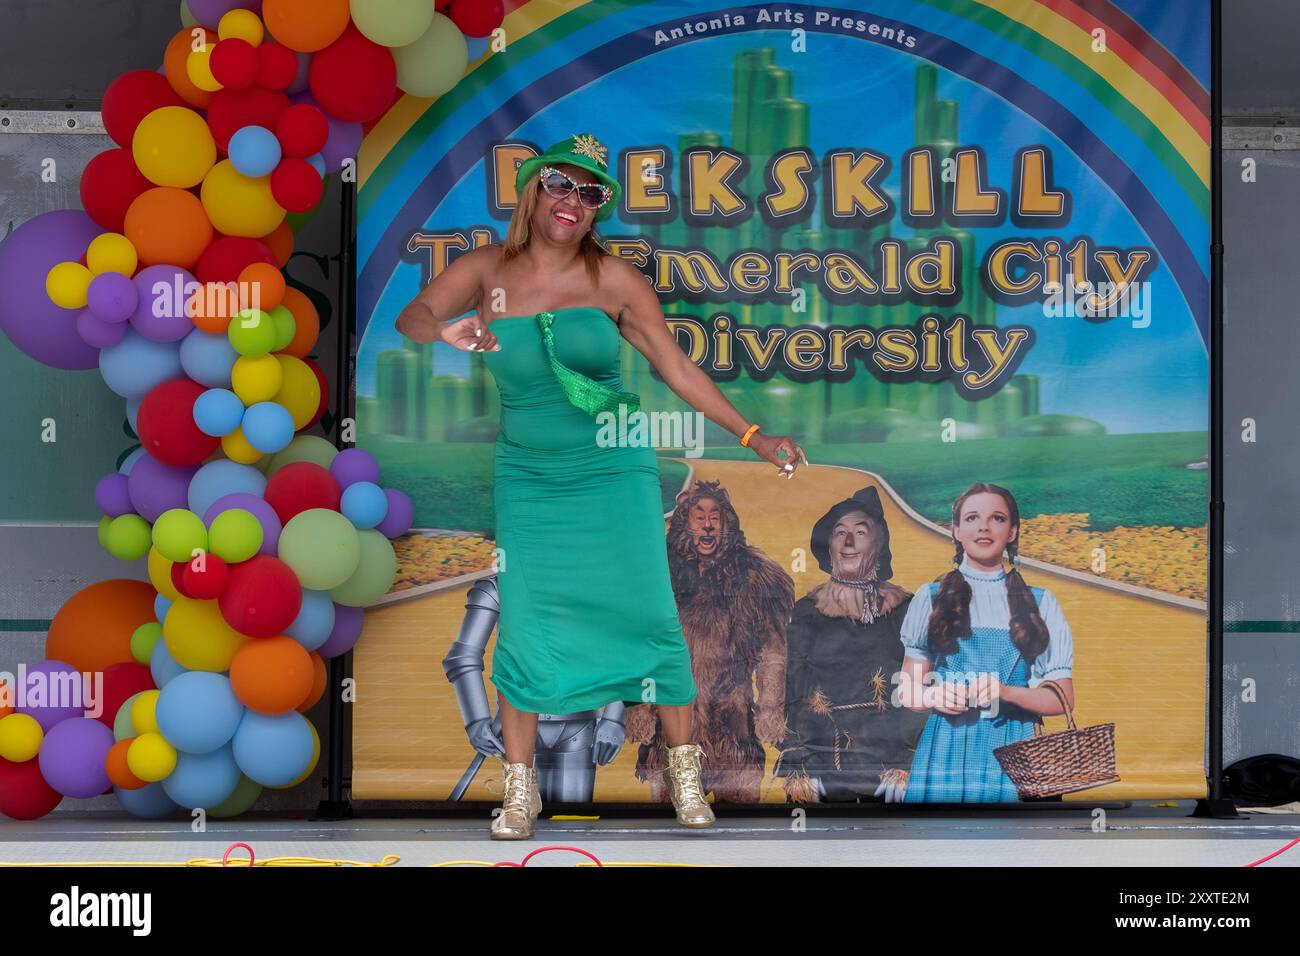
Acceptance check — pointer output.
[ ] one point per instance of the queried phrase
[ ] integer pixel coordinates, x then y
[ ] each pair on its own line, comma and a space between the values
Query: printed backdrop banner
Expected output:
958, 249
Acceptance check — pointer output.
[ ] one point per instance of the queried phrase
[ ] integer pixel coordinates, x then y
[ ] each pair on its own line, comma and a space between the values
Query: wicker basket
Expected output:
1066, 761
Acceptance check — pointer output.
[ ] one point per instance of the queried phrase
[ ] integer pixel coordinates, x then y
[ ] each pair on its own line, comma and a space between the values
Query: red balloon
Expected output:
209, 583
122, 681
300, 486
262, 598
277, 66
296, 185
477, 18
302, 130
324, 395
226, 258
232, 110
166, 424
109, 185
235, 63
178, 578
132, 97
24, 794
353, 78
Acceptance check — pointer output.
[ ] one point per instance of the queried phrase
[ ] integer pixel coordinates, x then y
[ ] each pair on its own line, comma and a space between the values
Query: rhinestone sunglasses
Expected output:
559, 185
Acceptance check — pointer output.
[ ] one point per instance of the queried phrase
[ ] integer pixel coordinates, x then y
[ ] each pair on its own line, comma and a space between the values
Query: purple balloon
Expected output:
344, 142
352, 465
72, 758
33, 323
160, 313
112, 496
401, 512
260, 510
95, 332
210, 12
347, 628
112, 297
61, 689
156, 487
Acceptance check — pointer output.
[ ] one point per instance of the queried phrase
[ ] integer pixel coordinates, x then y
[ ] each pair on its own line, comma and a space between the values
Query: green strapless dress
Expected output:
587, 609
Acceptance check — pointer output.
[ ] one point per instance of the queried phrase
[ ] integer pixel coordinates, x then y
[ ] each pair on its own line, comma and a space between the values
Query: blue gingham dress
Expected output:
954, 760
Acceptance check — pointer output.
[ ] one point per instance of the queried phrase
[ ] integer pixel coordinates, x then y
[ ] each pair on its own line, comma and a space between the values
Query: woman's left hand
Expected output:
769, 447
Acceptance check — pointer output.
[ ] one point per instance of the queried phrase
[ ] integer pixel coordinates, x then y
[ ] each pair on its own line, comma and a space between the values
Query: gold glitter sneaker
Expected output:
521, 805
688, 798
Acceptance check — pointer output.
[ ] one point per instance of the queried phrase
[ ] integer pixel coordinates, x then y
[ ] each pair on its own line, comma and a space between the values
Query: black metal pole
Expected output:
334, 806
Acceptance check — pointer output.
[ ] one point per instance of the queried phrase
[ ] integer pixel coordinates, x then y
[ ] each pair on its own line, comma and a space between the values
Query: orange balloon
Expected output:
168, 225
174, 60
306, 25
118, 772
321, 678
92, 631
269, 282
212, 307
271, 675
306, 322
280, 242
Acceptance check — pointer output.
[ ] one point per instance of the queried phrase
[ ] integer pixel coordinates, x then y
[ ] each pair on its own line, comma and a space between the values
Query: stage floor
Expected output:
1143, 834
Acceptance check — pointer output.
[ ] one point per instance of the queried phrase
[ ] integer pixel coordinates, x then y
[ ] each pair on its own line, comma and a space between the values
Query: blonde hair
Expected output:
591, 246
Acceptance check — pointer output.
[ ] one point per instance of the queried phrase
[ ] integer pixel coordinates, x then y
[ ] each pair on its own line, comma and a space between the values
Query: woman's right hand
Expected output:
470, 334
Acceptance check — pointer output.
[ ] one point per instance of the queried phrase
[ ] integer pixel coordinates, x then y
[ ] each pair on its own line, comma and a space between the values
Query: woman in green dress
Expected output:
588, 615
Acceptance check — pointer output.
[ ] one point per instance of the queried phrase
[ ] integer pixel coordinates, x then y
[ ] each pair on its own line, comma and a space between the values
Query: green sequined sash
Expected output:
585, 393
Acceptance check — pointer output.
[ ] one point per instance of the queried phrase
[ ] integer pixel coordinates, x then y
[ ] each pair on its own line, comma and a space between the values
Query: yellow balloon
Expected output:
142, 712
240, 205
300, 392
174, 147
160, 575
20, 738
112, 252
311, 448
315, 757
198, 637
256, 379
237, 448
67, 284
199, 69
242, 25
150, 757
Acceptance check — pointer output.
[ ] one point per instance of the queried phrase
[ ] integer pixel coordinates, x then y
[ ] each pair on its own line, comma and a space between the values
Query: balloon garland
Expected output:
263, 543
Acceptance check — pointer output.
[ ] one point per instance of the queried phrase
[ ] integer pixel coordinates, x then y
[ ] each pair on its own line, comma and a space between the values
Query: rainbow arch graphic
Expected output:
1146, 134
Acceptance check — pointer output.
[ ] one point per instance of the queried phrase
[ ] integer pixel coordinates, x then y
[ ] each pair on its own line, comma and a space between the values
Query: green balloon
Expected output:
285, 327
127, 537
322, 547
310, 448
235, 535
375, 573
123, 729
177, 533
143, 640
252, 333
187, 18
245, 795
102, 531
392, 22
433, 64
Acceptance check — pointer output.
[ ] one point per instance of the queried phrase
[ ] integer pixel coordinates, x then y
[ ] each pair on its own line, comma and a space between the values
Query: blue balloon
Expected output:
315, 621
223, 477
202, 780
150, 802
135, 365
132, 410
163, 666
364, 504
131, 459
208, 358
273, 750
198, 712
268, 426
218, 412
160, 606
254, 151
477, 47
317, 162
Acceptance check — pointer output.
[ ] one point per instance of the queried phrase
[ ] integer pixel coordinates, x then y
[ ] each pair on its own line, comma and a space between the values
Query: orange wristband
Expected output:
745, 438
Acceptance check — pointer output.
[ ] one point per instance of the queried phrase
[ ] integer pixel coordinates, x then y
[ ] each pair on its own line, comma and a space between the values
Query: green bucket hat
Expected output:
580, 149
